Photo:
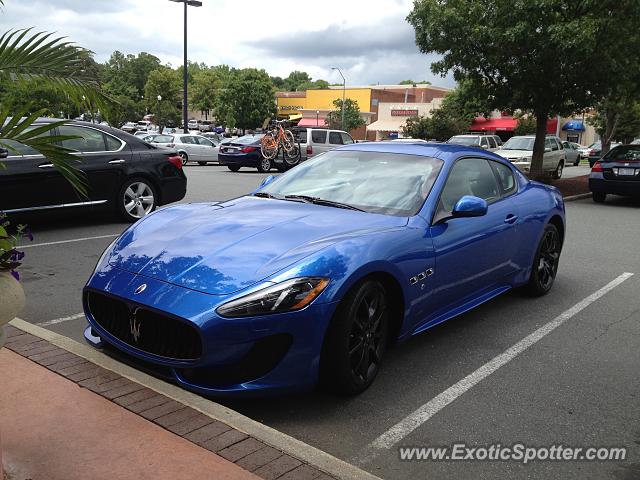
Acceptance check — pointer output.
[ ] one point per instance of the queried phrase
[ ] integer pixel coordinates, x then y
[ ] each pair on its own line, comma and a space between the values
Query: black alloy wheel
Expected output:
356, 340
545, 265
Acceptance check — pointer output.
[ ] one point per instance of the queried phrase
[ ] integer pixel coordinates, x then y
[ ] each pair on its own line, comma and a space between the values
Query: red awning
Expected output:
505, 124
311, 122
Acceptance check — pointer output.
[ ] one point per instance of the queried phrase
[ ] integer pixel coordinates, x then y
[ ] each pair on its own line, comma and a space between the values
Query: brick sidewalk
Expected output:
240, 451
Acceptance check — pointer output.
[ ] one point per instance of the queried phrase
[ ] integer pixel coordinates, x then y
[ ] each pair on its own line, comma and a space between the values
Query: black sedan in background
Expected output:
123, 173
617, 173
244, 152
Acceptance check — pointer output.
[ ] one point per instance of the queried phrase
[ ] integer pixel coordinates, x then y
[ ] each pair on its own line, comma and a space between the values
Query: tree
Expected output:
246, 99
295, 80
165, 82
203, 91
412, 82
525, 126
619, 121
417, 127
352, 118
543, 57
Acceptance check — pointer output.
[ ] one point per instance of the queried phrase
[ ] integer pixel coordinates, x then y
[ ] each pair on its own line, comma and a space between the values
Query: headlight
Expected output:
284, 297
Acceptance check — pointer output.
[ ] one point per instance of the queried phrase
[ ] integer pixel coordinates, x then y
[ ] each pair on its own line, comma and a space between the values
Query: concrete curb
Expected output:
281, 441
580, 196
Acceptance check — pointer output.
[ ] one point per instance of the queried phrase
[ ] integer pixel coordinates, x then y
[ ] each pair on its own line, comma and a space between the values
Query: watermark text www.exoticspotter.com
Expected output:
517, 452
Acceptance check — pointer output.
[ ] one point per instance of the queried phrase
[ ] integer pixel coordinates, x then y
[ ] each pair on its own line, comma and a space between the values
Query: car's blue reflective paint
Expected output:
194, 258
470, 206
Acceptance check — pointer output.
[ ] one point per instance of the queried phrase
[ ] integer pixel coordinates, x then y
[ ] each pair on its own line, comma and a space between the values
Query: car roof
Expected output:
444, 151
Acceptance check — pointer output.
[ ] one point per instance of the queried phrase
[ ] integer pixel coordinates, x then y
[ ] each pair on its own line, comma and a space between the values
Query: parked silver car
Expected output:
519, 150
486, 142
571, 152
319, 140
191, 148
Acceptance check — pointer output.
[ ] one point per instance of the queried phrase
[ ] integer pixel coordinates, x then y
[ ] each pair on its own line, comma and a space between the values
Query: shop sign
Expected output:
404, 113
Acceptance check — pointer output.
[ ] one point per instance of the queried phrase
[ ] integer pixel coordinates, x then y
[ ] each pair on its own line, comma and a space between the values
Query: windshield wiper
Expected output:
322, 201
266, 195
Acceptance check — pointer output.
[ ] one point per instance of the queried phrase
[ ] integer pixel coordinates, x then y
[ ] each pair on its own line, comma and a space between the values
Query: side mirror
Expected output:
470, 206
484, 147
267, 180
4, 153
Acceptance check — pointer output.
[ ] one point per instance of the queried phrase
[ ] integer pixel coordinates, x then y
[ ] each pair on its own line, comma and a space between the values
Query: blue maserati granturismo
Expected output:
309, 279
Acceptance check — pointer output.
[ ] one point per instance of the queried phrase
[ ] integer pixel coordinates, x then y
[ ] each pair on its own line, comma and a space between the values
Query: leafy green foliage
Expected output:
526, 125
165, 82
413, 82
352, 118
617, 121
417, 127
10, 256
246, 99
544, 57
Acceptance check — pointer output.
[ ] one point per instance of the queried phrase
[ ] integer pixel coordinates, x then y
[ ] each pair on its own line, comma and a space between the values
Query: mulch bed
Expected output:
572, 186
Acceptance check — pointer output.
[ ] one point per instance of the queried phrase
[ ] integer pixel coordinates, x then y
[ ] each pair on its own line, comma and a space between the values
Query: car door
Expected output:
104, 160
335, 140
473, 255
191, 147
209, 149
28, 180
319, 141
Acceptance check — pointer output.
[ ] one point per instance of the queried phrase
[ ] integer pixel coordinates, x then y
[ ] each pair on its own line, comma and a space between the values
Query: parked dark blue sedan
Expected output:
244, 152
310, 278
617, 173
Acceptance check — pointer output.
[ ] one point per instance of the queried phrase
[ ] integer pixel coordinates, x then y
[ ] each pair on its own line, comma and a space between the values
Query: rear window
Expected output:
301, 136
460, 140
335, 138
247, 139
624, 153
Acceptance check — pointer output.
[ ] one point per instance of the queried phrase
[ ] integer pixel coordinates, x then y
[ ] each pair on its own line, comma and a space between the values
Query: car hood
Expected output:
515, 154
222, 248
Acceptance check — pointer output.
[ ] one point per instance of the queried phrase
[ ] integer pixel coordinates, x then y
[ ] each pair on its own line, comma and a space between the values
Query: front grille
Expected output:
144, 329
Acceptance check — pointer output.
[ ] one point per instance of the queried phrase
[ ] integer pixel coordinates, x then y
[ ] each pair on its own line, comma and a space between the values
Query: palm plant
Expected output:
28, 56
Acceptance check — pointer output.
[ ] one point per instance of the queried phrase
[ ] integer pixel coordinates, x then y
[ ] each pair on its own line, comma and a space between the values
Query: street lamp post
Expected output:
158, 119
344, 91
185, 77
317, 118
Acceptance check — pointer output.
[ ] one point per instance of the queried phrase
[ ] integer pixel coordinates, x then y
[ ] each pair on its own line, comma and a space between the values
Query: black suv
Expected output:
123, 173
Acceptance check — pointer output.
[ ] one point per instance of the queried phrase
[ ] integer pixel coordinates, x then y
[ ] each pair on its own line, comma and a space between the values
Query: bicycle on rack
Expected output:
278, 138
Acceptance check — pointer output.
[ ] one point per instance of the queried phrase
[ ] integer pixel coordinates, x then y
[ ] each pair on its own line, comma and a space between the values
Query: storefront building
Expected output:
393, 116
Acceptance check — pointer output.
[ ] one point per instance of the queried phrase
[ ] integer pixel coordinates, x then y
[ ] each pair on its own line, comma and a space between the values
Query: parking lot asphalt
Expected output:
577, 385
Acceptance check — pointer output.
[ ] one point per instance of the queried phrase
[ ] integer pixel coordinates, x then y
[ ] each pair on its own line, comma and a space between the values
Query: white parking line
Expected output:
67, 241
412, 421
55, 321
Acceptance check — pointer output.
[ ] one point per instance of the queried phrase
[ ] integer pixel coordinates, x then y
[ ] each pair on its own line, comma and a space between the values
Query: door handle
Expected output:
114, 162
45, 165
511, 218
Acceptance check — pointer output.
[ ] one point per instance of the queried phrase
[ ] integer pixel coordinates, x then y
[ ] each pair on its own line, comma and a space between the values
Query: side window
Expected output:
335, 138
492, 142
204, 142
483, 142
469, 176
113, 143
318, 136
188, 140
498, 140
547, 144
89, 140
505, 178
16, 148
346, 138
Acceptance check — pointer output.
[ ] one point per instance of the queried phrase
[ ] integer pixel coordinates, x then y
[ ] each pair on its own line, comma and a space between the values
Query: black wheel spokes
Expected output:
548, 261
365, 340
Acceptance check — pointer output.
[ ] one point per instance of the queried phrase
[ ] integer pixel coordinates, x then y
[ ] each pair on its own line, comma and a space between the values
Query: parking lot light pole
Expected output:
185, 76
344, 91
158, 119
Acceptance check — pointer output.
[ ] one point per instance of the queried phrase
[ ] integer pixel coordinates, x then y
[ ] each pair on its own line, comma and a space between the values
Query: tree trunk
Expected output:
609, 131
536, 171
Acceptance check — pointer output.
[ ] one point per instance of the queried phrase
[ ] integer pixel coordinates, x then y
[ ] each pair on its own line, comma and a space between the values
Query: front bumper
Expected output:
240, 356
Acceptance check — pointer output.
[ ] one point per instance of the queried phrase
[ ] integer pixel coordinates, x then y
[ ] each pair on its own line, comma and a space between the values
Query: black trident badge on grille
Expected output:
135, 325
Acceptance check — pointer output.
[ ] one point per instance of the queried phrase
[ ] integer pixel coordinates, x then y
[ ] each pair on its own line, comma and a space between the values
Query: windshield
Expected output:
386, 183
519, 143
460, 140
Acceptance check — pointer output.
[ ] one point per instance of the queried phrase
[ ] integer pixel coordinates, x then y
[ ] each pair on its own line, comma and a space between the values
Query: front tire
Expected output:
599, 197
356, 339
545, 263
136, 198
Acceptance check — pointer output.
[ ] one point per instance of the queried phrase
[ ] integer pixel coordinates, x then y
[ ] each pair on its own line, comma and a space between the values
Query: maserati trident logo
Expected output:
135, 325
140, 289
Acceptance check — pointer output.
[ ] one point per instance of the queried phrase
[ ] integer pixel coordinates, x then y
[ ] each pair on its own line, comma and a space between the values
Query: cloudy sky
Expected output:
368, 39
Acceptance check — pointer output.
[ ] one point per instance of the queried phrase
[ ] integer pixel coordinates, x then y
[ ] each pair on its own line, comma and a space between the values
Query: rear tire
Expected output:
184, 157
599, 197
136, 198
545, 263
264, 165
356, 339
557, 174
233, 168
